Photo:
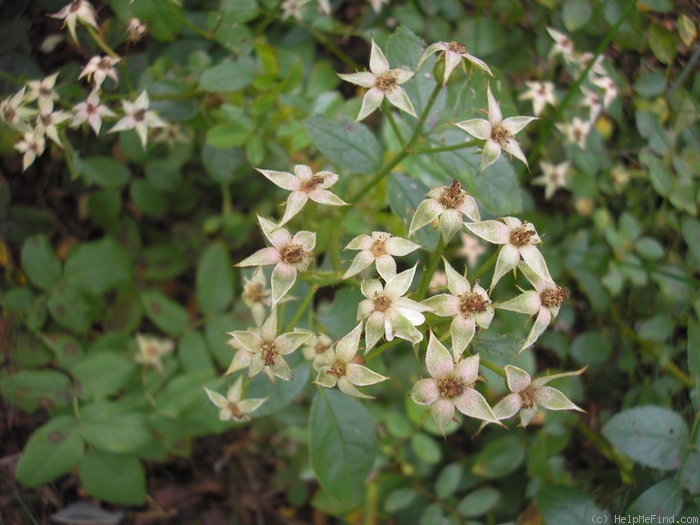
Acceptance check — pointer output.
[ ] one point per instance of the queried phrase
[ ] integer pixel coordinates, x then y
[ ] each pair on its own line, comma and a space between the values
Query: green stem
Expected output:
302, 308
226, 206
68, 155
492, 366
379, 350
392, 122
440, 149
486, 266
207, 35
429, 271
624, 465
100, 42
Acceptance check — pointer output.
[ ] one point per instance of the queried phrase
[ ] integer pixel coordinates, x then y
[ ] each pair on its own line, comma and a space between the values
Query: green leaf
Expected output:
338, 317
405, 194
690, 228
659, 138
106, 172
52, 451
147, 199
663, 500
426, 448
113, 477
221, 164
576, 14
561, 505
448, 480
650, 435
649, 248
403, 48
164, 18
165, 313
659, 174
694, 350
343, 443
106, 427
98, 266
226, 76
69, 350
102, 374
214, 281
351, 146
40, 262
193, 353
482, 36
31, 389
228, 135
69, 308
478, 502
399, 499
662, 43
104, 207
500, 457
592, 348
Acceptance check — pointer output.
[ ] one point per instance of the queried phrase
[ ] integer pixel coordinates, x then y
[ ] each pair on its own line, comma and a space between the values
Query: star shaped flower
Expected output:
290, 255
46, 124
544, 302
31, 146
233, 406
91, 111
451, 386
471, 248
468, 306
304, 185
152, 350
381, 81
388, 312
340, 367
77, 11
498, 133
43, 92
576, 131
256, 296
540, 93
315, 348
99, 68
519, 240
452, 53
138, 117
379, 248
528, 394
449, 204
553, 177
15, 114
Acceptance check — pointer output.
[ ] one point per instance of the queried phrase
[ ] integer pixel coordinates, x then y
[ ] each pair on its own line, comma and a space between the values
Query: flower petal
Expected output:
507, 260
534, 259
516, 124
262, 258
508, 406
348, 389
361, 261
386, 266
438, 359
399, 98
283, 277
552, 399
462, 330
468, 369
495, 115
528, 302
494, 232
398, 246
399, 284
287, 343
370, 102
541, 323
425, 392
476, 127
489, 154
426, 212
295, 202
346, 347
517, 378
471, 403
361, 78
282, 179
378, 63
443, 410
362, 376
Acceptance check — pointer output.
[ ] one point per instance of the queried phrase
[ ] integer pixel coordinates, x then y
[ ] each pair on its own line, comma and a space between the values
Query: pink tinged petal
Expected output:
471, 403
361, 261
295, 202
347, 388
361, 242
470, 208
468, 369
495, 116
287, 343
494, 232
527, 415
303, 173
536, 383
326, 197
452, 60
426, 212
516, 124
528, 303
216, 398
399, 98
325, 378
371, 287
552, 399
476, 127
364, 309
462, 330
512, 223
399, 246
364, 79
489, 154
541, 323
282, 179
507, 260
281, 369
378, 63
329, 179
374, 330
534, 259
517, 378
508, 406
450, 224
362, 376
371, 101
386, 266
425, 392
306, 239
346, 348
456, 282
398, 285
483, 319
443, 410
248, 406
512, 147
438, 359
283, 277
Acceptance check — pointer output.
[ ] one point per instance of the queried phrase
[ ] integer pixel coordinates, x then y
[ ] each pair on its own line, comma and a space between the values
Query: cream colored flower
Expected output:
233, 406
541, 94
453, 53
77, 11
99, 68
152, 350
379, 248
139, 118
554, 176
448, 204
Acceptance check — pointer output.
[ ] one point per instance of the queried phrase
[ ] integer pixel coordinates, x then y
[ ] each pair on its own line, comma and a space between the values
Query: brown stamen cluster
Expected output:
457, 47
269, 352
104, 64
255, 293
293, 253
501, 135
528, 397
379, 247
522, 235
75, 5
452, 195
140, 115
551, 297
472, 303
313, 182
381, 303
235, 411
337, 370
387, 81
450, 387
320, 348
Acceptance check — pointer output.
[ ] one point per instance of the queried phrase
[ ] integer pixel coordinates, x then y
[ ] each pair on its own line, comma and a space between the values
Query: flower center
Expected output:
140, 115
44, 91
386, 81
255, 293
151, 350
472, 303
379, 247
75, 5
381, 303
293, 253
501, 135
104, 64
528, 397
522, 235
337, 370
552, 297
235, 411
269, 352
46, 119
10, 114
457, 47
453, 195
313, 182
450, 387
320, 348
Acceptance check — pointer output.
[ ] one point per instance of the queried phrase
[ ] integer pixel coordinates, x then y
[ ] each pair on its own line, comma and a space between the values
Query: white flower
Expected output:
304, 185
256, 296
554, 176
379, 248
519, 240
381, 81
467, 306
99, 68
544, 302
498, 133
136, 30
541, 93
91, 111
152, 350
233, 406
77, 11
562, 45
31, 146
452, 53
609, 88
576, 131
388, 313
528, 394
315, 348
137, 117
451, 385
293, 9
449, 204
290, 255
46, 124
13, 112
43, 92
471, 248
591, 101
339, 367
377, 4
